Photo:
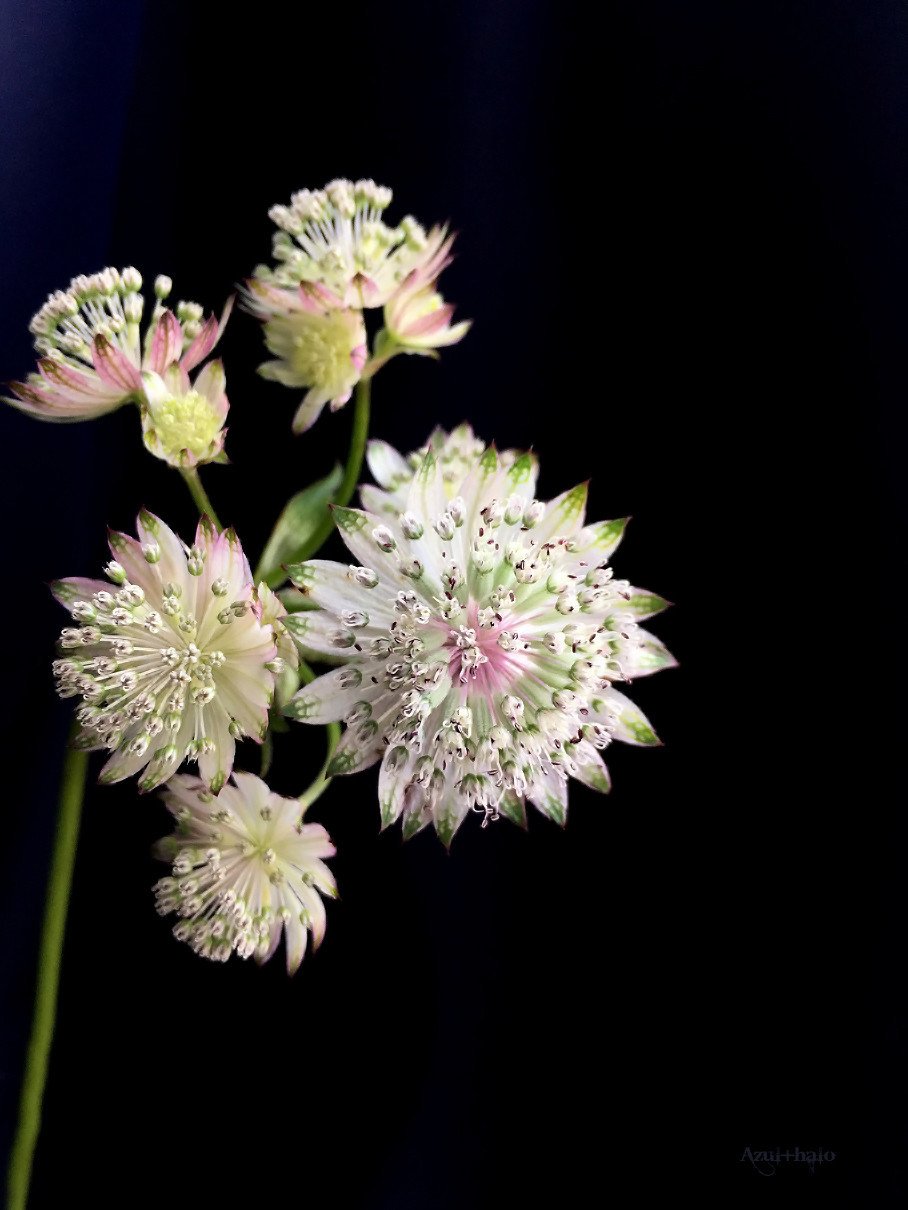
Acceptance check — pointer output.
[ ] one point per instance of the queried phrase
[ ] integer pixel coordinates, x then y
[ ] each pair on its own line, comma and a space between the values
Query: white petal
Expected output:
389, 468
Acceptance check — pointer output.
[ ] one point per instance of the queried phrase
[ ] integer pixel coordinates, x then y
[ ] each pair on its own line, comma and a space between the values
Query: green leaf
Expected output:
302, 516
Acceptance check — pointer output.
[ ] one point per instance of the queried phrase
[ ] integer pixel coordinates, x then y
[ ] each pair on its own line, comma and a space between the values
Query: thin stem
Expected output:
352, 470
199, 495
321, 782
72, 792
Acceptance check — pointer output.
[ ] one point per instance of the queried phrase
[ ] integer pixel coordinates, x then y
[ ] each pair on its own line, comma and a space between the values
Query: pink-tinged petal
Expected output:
433, 322
436, 257
55, 406
265, 301
76, 381
453, 335
166, 343
114, 367
359, 357
225, 315
202, 345
129, 554
315, 297
367, 289
78, 588
172, 563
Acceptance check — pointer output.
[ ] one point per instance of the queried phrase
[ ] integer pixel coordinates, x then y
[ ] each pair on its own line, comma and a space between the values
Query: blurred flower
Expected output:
183, 422
92, 353
173, 660
336, 240
245, 869
316, 345
336, 257
417, 318
456, 452
483, 635
419, 321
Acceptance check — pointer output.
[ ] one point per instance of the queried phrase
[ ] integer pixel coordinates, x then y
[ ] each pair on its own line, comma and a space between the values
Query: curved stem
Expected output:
321, 782
72, 792
352, 470
199, 495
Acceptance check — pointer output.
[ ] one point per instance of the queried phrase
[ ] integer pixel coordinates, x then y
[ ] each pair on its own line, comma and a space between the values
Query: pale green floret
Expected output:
314, 350
186, 422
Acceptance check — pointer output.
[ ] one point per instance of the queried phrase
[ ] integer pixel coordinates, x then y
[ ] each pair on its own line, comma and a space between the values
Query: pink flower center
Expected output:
483, 660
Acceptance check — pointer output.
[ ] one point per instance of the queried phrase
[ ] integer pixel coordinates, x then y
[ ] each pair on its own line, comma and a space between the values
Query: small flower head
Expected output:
183, 421
92, 351
483, 634
316, 346
336, 257
335, 239
245, 870
418, 320
172, 659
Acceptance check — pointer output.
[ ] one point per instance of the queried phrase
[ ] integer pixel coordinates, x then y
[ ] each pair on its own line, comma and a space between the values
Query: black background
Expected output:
682, 240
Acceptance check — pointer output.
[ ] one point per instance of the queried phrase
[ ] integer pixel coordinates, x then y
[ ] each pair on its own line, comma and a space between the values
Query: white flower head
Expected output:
336, 240
173, 660
482, 635
245, 870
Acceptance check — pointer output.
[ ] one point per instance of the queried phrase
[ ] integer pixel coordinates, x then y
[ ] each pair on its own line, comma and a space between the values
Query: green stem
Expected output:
321, 783
352, 470
72, 791
199, 495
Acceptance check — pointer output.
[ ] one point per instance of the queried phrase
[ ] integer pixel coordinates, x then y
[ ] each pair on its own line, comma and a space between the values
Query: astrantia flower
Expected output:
419, 321
336, 257
483, 635
183, 422
456, 453
92, 352
316, 345
245, 869
173, 659
336, 240
417, 318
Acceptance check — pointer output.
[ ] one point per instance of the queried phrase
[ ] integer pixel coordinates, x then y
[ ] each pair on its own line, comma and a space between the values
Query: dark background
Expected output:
683, 245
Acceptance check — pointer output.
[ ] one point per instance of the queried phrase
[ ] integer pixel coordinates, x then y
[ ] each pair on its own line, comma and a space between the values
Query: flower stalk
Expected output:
72, 792
193, 481
352, 469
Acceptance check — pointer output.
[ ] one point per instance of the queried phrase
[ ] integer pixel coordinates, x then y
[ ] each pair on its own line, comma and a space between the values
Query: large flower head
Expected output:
335, 239
245, 870
92, 352
482, 634
172, 659
456, 453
